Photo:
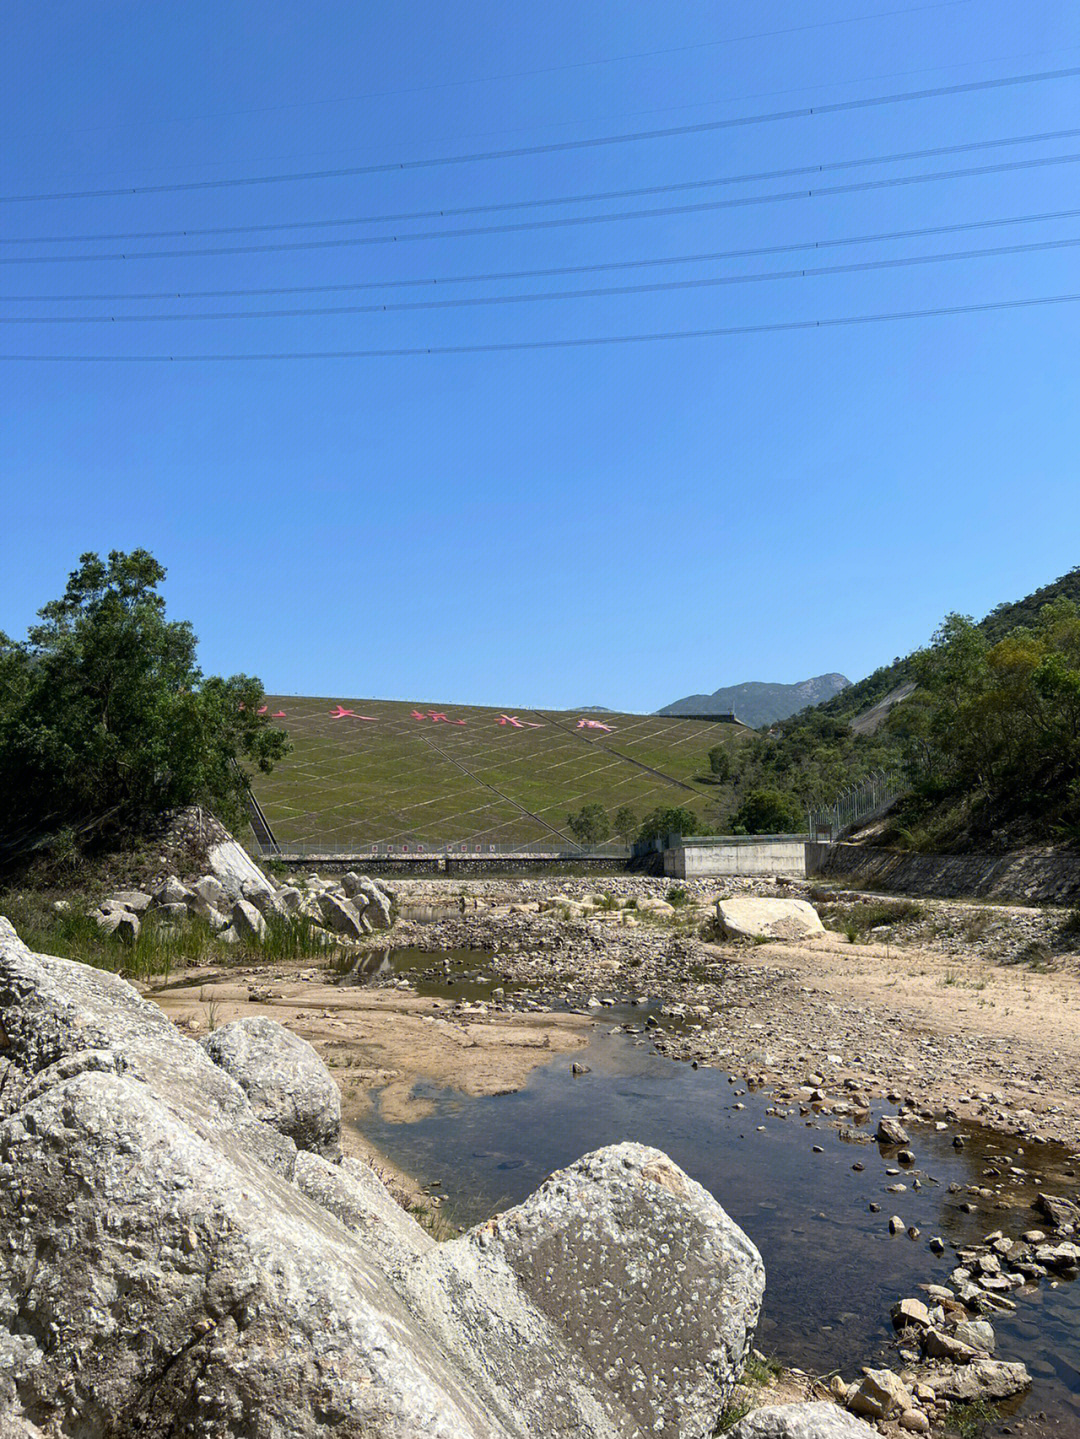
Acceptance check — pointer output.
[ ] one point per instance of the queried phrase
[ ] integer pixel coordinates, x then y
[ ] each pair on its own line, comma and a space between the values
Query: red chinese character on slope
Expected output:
262, 709
278, 714
340, 712
515, 723
593, 724
437, 718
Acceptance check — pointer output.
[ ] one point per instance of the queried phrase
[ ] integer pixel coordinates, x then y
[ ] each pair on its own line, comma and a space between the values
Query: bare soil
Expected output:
379, 1044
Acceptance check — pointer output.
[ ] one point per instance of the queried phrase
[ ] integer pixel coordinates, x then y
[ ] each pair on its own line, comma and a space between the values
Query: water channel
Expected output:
800, 1190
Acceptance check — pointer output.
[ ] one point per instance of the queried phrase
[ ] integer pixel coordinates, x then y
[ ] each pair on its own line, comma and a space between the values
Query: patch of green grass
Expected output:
677, 896
731, 1413
760, 1368
970, 1421
857, 922
159, 947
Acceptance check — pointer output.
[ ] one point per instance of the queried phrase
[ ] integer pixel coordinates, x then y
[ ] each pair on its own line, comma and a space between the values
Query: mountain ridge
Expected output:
758, 702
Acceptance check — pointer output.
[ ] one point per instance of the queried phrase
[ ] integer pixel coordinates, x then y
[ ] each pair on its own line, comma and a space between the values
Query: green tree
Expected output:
106, 720
663, 821
625, 824
720, 763
589, 825
770, 811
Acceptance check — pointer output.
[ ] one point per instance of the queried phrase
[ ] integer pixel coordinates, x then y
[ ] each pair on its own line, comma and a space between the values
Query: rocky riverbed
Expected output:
909, 1013
942, 1014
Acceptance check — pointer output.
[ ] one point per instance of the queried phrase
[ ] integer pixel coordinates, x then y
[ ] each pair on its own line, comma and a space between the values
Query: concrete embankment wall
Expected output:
1025, 878
754, 857
431, 866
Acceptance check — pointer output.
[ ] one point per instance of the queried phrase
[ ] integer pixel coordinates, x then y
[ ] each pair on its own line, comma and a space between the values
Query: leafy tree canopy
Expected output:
589, 825
660, 822
720, 763
625, 823
770, 811
106, 720
1000, 721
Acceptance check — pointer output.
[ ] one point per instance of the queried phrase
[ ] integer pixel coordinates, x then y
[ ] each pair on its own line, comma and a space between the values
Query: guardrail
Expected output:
459, 850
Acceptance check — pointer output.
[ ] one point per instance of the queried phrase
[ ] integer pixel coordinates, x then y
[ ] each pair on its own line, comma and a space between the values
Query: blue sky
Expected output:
618, 524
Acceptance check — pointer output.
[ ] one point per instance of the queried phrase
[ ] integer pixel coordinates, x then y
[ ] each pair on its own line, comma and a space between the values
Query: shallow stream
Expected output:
833, 1270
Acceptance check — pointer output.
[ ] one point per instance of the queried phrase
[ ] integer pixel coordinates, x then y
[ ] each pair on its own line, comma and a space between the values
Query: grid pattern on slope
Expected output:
352, 781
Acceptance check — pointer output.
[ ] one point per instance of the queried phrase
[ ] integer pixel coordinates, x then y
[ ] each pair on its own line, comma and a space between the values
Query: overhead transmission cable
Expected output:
448, 212
562, 221
589, 342
459, 302
560, 146
549, 272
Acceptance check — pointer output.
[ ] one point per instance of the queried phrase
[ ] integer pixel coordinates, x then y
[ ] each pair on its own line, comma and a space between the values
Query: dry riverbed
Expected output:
950, 1013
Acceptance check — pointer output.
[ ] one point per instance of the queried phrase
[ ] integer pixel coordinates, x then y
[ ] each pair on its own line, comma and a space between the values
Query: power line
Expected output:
707, 282
560, 222
594, 197
561, 146
504, 347
553, 69
554, 270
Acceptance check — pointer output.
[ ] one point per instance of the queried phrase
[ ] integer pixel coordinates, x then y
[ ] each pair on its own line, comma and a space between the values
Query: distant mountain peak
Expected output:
758, 703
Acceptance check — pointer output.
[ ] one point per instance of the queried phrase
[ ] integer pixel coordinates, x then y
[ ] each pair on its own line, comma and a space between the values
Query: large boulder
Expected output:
170, 891
801, 1421
342, 916
247, 921
370, 898
135, 900
378, 911
171, 1266
981, 1379
750, 917
287, 1083
120, 923
235, 870
59, 1018
355, 1195
649, 1293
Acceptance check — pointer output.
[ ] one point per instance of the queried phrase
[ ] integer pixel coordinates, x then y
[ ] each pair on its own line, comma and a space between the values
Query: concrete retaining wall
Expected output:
1025, 878
411, 867
755, 856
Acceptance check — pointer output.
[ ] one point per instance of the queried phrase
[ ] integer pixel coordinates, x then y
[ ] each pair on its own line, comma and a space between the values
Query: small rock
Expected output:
890, 1131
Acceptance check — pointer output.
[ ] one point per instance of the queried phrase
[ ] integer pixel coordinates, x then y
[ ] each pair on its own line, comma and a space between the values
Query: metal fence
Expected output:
863, 801
459, 850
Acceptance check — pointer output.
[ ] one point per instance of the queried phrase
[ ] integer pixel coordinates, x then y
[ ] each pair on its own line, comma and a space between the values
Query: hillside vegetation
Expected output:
988, 737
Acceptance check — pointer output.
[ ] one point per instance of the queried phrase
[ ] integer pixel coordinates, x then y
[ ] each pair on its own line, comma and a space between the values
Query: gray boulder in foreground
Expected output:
749, 917
170, 1265
801, 1421
287, 1083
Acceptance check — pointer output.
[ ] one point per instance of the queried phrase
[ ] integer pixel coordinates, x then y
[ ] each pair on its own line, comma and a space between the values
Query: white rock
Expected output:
235, 869
748, 917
